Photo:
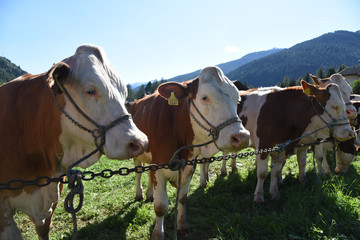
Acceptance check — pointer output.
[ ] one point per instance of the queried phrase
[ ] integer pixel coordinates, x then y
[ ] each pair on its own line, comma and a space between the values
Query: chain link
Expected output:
43, 181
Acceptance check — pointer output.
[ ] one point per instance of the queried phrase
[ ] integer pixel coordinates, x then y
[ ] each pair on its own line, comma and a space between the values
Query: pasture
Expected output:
325, 208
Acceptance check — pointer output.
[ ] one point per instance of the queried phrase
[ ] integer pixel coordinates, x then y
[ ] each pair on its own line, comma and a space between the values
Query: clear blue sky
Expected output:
148, 40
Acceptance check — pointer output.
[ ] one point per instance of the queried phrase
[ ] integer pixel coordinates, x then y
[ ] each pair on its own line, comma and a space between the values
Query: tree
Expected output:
307, 78
140, 93
341, 67
330, 72
285, 82
292, 82
148, 88
131, 93
320, 73
356, 86
246, 84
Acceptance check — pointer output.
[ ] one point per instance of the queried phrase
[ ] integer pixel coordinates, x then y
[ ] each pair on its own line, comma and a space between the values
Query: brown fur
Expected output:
284, 116
167, 127
29, 131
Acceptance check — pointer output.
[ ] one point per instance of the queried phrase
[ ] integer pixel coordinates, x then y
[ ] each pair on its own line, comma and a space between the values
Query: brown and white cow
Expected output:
275, 115
343, 159
37, 139
170, 127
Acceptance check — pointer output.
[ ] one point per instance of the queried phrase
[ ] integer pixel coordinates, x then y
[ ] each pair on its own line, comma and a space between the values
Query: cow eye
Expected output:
90, 91
335, 107
205, 99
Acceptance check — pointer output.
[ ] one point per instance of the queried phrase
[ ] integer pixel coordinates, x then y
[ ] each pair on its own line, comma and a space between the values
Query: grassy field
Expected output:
325, 208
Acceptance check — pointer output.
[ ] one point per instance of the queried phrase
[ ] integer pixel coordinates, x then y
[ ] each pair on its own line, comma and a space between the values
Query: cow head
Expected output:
345, 90
99, 92
216, 98
346, 154
333, 110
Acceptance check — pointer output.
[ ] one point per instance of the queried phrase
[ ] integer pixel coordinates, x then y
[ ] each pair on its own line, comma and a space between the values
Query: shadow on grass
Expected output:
113, 227
314, 211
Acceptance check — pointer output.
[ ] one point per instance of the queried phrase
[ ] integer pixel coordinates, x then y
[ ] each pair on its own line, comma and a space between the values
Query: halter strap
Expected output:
213, 131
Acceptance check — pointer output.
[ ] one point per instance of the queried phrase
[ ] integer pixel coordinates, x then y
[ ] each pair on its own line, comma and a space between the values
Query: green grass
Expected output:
325, 208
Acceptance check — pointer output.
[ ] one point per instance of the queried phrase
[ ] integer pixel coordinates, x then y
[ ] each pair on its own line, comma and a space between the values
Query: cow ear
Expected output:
315, 79
192, 87
173, 89
58, 74
308, 88
357, 149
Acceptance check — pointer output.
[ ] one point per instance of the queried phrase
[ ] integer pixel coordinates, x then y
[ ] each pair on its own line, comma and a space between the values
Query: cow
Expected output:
274, 116
192, 110
319, 150
43, 132
342, 158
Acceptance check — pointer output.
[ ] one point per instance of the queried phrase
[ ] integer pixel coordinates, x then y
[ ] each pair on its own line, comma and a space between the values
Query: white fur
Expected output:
37, 205
345, 90
108, 105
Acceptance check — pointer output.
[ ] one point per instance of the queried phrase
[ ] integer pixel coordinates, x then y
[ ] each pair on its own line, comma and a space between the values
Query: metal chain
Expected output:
42, 181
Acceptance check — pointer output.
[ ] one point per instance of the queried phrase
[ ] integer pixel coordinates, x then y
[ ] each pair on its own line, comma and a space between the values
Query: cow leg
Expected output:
43, 230
182, 224
325, 166
139, 188
276, 172
8, 226
262, 171
319, 157
150, 190
233, 165
274, 156
161, 204
204, 174
223, 171
301, 159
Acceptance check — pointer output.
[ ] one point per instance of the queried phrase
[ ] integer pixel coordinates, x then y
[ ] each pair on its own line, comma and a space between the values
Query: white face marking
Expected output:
336, 108
345, 90
100, 93
217, 100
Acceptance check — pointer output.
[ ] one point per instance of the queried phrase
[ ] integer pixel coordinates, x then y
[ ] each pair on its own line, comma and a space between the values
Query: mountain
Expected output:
326, 51
228, 66
8, 70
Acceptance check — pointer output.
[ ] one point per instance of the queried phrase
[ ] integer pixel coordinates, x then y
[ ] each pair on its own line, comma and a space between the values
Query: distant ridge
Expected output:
326, 51
8, 70
229, 66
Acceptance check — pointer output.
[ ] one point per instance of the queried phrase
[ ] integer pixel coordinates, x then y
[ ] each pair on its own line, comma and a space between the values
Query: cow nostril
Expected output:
134, 148
235, 139
351, 134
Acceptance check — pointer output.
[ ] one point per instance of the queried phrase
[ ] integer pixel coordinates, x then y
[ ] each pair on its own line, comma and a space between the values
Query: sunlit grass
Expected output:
325, 208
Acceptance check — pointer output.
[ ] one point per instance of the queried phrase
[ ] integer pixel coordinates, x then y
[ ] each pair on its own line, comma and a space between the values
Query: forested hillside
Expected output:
229, 66
8, 70
326, 51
